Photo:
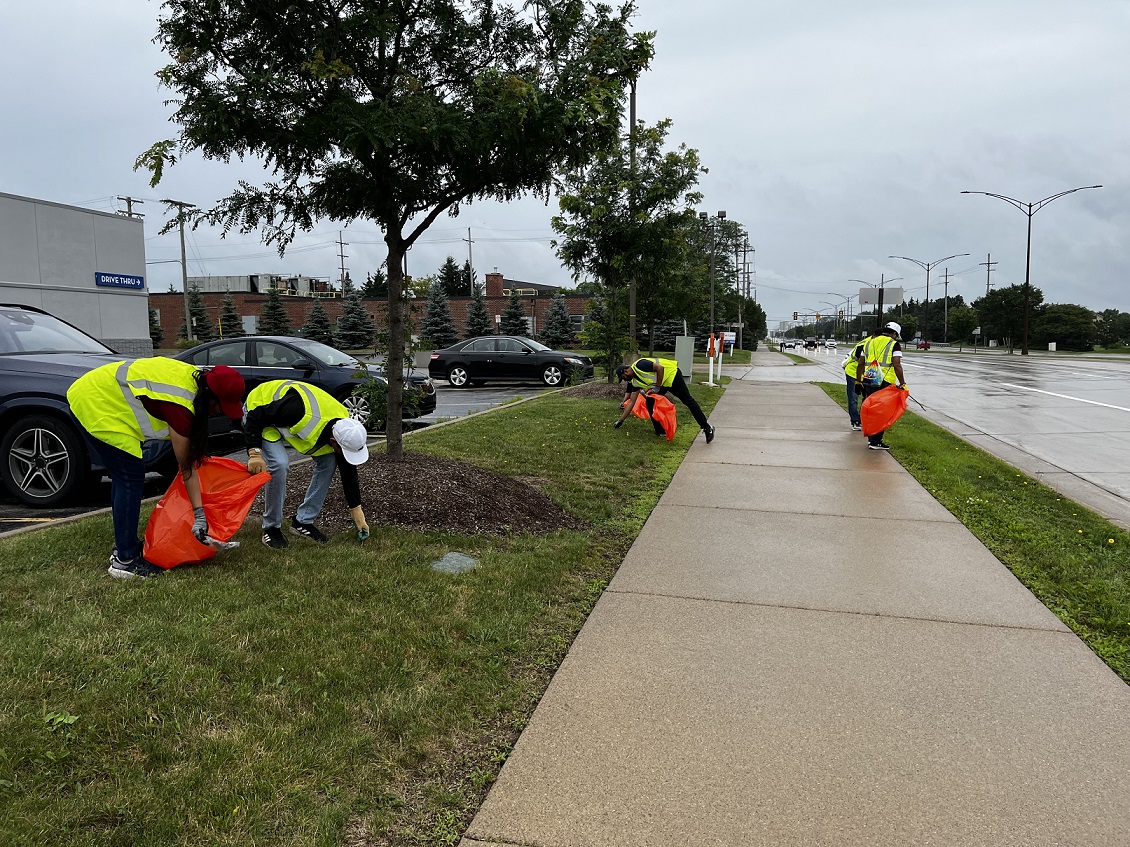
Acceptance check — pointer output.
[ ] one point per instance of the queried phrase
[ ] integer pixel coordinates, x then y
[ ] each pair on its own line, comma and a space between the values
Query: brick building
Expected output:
536, 299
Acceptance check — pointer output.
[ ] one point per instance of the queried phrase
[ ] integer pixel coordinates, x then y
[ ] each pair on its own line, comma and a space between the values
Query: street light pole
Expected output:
181, 208
927, 266
1030, 209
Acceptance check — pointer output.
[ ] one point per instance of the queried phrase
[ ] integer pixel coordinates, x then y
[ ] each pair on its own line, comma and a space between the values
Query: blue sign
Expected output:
119, 280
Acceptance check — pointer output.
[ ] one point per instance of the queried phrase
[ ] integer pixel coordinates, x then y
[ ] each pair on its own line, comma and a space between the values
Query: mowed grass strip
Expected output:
1075, 561
331, 695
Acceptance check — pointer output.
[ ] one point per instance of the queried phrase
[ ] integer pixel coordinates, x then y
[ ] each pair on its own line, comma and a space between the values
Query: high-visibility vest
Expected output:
851, 367
878, 351
321, 410
106, 401
645, 379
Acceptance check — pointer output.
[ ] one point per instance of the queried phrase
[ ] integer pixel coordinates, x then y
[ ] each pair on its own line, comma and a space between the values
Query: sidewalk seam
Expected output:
821, 514
1066, 631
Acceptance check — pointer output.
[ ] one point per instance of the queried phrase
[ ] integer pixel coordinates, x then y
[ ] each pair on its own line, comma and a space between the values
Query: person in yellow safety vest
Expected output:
851, 369
658, 376
878, 365
282, 412
122, 404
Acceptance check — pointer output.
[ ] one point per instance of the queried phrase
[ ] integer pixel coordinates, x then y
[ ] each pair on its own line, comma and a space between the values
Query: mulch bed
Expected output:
596, 391
427, 493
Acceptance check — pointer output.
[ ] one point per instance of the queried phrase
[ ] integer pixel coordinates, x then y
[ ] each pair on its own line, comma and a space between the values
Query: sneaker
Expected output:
307, 530
133, 569
273, 537
856, 428
879, 446
709, 434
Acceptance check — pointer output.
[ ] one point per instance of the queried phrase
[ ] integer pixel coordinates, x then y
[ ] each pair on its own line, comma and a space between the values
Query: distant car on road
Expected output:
810, 343
919, 344
830, 344
44, 459
262, 358
507, 358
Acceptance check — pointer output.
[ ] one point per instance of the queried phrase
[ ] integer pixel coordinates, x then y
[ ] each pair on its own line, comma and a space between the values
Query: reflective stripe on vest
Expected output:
884, 356
319, 409
646, 379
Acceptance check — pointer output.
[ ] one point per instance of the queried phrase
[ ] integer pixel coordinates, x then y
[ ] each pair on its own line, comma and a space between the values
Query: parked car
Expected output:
44, 459
262, 358
507, 358
830, 344
919, 344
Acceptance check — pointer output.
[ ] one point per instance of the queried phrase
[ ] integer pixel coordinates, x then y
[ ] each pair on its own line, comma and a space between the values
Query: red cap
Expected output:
228, 386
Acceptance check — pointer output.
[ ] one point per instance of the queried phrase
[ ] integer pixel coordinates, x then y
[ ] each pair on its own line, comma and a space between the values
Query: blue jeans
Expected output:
853, 401
274, 492
127, 482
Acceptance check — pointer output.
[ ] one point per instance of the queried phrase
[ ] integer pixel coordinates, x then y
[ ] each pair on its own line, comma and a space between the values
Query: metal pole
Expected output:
1027, 271
632, 209
184, 284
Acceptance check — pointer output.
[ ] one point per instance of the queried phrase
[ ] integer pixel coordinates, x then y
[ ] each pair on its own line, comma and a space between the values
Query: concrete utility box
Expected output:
684, 355
1051, 346
85, 267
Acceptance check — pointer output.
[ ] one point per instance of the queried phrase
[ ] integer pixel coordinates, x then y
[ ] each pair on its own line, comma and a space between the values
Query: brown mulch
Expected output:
597, 391
427, 493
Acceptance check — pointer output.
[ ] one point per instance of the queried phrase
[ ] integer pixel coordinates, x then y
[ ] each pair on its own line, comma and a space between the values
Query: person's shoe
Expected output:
709, 434
856, 428
136, 568
273, 537
307, 530
879, 446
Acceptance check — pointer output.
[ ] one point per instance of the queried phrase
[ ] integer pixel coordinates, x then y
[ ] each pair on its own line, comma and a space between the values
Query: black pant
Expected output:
679, 388
868, 390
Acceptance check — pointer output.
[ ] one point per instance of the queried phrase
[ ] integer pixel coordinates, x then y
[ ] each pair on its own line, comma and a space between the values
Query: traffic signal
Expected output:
794, 315
841, 314
817, 316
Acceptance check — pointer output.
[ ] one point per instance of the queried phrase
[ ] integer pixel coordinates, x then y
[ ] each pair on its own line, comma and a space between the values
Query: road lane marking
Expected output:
1065, 396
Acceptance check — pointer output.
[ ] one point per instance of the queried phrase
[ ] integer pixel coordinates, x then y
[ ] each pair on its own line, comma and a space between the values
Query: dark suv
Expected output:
43, 455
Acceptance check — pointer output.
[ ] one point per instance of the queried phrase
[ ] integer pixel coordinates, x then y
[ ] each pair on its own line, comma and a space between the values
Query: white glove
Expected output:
200, 525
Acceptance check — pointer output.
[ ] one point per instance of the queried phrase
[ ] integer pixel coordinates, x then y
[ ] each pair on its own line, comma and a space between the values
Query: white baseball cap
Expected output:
895, 327
351, 437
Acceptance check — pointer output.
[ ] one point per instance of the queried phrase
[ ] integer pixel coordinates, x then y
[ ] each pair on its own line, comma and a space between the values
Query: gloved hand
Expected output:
618, 424
904, 387
859, 388
255, 461
200, 525
360, 523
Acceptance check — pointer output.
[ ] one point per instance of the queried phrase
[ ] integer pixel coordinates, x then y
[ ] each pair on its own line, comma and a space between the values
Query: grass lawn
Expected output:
318, 695
1076, 562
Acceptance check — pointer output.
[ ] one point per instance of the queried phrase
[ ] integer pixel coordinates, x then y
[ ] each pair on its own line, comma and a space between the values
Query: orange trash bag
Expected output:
881, 409
227, 491
663, 411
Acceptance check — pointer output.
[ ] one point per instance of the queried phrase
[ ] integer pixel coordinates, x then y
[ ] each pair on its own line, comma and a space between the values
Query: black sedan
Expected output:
507, 358
43, 455
262, 358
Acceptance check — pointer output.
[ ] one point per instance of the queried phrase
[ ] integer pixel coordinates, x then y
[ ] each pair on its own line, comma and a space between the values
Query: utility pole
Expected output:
632, 212
181, 208
341, 245
470, 263
988, 263
946, 307
129, 201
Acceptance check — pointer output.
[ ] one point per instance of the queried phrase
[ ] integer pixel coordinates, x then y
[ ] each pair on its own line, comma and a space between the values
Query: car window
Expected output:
272, 355
227, 354
509, 345
31, 332
480, 345
323, 353
198, 357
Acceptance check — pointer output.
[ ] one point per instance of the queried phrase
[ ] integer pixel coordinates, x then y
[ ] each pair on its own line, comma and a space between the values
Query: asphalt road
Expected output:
1061, 418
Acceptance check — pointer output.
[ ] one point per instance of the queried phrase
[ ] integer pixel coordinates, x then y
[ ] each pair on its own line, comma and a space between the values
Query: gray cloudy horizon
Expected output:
837, 134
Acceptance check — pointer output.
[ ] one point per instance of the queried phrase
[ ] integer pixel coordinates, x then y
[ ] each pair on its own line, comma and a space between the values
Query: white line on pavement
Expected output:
1065, 396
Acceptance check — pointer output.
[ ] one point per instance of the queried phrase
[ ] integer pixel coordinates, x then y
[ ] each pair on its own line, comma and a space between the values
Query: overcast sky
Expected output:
838, 133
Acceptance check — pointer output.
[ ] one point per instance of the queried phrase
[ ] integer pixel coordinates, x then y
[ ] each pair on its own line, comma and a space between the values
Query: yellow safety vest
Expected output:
878, 352
106, 400
645, 379
851, 367
321, 410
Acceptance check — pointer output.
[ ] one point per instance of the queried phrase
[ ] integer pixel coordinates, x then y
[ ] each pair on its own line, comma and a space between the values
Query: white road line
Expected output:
1064, 396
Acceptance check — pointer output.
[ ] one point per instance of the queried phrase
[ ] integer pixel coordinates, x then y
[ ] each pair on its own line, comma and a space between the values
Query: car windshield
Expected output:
325, 353
31, 332
536, 345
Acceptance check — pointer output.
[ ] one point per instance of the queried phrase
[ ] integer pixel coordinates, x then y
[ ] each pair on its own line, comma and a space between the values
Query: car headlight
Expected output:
571, 361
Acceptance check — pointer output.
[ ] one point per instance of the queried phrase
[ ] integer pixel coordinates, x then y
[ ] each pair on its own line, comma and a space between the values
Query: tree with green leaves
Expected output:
355, 328
513, 320
318, 326
470, 280
274, 320
450, 277
558, 331
604, 332
156, 334
1113, 328
202, 329
231, 324
962, 321
391, 112
1067, 325
437, 327
1002, 312
479, 321
376, 285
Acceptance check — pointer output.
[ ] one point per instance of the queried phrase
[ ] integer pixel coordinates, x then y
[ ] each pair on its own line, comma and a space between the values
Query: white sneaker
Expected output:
856, 428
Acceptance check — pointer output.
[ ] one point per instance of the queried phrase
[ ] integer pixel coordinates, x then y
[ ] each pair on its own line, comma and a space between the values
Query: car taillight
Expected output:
435, 355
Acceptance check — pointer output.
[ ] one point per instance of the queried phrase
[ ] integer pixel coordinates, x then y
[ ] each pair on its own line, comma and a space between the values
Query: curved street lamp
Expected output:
1029, 209
879, 309
927, 266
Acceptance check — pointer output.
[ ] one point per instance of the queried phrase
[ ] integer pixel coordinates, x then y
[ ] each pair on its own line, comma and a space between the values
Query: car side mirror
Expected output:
302, 365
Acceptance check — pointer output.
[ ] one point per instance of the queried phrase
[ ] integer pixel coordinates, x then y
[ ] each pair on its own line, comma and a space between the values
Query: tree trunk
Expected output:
394, 361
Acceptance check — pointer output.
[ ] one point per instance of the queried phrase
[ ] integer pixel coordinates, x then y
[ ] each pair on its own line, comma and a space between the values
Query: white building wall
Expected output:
50, 255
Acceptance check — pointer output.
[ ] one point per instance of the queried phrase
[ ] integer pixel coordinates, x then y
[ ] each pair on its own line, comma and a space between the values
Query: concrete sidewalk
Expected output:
804, 648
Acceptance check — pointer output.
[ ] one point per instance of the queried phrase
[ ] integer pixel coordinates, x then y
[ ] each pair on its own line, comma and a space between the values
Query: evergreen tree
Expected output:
202, 329
513, 317
558, 330
274, 320
470, 280
156, 334
318, 326
451, 276
479, 321
355, 328
376, 285
438, 327
231, 325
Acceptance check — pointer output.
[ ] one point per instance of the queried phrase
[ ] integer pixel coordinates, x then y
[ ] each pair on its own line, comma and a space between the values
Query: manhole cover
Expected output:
454, 563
